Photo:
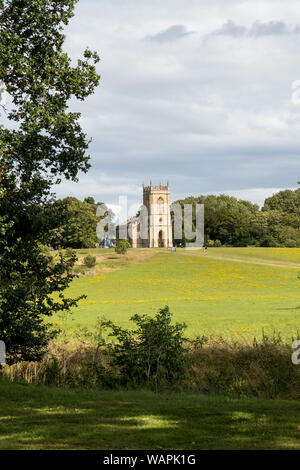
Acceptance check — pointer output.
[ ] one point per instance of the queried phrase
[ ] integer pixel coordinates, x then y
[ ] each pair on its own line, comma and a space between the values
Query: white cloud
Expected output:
173, 33
210, 112
231, 29
257, 29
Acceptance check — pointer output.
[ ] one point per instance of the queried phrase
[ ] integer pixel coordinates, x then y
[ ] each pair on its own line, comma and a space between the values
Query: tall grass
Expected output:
217, 366
262, 368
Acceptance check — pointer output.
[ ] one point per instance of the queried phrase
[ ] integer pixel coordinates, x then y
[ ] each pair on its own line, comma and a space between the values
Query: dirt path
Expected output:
254, 261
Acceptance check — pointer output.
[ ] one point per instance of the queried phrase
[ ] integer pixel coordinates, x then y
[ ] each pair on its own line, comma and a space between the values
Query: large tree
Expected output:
80, 224
287, 201
227, 220
43, 143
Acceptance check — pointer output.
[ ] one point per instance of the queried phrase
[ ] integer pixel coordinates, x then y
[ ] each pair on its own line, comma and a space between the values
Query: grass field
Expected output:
226, 291
233, 292
37, 417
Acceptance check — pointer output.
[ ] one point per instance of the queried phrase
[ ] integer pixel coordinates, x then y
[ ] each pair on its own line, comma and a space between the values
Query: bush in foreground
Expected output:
153, 354
157, 356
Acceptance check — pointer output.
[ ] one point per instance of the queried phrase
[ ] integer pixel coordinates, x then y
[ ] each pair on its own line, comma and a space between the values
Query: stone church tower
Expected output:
157, 201
153, 227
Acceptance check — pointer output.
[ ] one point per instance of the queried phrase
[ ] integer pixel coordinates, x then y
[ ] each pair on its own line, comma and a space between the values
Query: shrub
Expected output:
291, 243
153, 354
122, 247
90, 261
156, 355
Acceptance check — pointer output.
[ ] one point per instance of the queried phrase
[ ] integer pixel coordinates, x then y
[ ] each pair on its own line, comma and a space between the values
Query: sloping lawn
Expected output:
37, 417
233, 292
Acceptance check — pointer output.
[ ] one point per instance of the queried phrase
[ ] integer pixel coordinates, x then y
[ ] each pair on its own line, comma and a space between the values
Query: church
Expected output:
152, 227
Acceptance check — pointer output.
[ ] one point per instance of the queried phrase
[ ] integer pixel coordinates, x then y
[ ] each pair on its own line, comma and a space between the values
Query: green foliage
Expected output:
226, 219
122, 247
153, 354
262, 368
90, 200
27, 296
286, 201
78, 229
233, 222
79, 223
90, 261
237, 369
43, 143
282, 219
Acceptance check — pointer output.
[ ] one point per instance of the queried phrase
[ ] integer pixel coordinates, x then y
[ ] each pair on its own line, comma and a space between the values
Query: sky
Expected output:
196, 92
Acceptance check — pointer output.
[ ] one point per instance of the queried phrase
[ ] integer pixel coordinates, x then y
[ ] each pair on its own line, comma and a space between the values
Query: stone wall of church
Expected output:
157, 201
157, 218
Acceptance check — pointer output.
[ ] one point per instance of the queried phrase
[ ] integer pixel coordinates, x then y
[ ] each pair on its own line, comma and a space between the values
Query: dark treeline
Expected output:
228, 221
233, 222
80, 221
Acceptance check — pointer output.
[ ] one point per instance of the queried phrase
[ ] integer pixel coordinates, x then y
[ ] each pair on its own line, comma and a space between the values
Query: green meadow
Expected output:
48, 418
233, 292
